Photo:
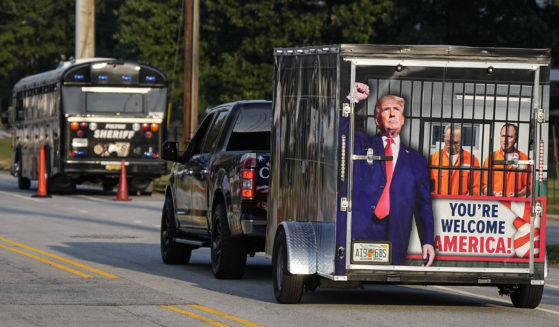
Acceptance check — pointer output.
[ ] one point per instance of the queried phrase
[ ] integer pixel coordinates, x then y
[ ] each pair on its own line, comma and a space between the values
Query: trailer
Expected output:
467, 183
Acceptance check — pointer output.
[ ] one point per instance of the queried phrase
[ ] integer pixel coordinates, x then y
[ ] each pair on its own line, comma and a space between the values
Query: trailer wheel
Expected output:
171, 251
288, 288
228, 255
527, 296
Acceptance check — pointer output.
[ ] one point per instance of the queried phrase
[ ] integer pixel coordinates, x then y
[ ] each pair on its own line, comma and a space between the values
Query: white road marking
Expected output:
490, 298
20, 196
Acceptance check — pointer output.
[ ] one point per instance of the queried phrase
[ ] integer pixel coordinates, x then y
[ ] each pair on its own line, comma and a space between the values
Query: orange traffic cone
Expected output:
42, 188
122, 194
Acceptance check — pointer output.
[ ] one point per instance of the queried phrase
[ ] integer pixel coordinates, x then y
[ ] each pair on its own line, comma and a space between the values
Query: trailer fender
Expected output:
301, 247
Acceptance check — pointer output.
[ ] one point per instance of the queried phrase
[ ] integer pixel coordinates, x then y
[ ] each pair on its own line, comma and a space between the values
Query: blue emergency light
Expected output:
126, 78
79, 77
150, 155
150, 78
103, 77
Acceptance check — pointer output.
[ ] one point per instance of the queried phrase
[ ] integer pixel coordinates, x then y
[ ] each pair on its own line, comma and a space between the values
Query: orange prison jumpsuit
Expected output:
459, 179
522, 179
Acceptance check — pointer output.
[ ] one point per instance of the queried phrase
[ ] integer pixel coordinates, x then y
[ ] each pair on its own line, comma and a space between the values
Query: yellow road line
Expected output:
195, 316
52, 263
224, 315
74, 263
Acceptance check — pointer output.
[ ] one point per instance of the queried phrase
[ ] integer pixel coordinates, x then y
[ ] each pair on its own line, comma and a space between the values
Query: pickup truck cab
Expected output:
218, 188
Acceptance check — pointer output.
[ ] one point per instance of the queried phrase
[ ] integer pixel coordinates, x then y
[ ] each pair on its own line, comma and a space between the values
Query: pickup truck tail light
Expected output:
247, 184
248, 175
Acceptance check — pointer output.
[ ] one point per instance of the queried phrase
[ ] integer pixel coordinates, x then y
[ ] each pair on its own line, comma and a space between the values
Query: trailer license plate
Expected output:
371, 252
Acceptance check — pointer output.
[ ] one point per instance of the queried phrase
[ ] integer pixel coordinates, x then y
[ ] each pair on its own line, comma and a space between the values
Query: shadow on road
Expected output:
257, 281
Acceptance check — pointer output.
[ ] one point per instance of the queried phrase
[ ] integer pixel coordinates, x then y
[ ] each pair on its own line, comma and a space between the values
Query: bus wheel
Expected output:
22, 182
141, 185
527, 296
288, 288
60, 184
228, 255
108, 185
171, 251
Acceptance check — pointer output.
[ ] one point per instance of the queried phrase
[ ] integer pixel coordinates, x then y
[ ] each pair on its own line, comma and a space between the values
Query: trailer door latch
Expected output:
346, 110
540, 116
344, 204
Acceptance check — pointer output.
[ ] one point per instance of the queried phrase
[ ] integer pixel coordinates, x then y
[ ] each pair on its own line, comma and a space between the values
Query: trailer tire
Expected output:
288, 288
527, 296
228, 255
172, 253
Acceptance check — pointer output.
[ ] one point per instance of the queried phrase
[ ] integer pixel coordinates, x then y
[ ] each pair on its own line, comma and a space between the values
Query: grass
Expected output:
159, 184
5, 153
553, 254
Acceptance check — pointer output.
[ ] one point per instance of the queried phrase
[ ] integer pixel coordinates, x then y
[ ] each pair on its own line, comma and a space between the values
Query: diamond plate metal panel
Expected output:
326, 247
301, 248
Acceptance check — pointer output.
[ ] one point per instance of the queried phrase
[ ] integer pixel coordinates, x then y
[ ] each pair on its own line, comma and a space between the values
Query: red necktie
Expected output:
383, 207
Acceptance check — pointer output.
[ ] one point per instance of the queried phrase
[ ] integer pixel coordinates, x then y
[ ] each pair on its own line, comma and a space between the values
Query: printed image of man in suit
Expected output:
407, 190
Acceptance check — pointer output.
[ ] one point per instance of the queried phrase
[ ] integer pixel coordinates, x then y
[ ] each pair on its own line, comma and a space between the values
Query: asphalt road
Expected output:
86, 260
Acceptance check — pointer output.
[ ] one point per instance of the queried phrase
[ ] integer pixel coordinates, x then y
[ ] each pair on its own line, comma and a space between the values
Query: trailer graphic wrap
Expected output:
464, 150
477, 229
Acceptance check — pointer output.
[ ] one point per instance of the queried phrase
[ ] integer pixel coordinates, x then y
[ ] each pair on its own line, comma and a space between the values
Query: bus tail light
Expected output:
154, 127
74, 125
145, 127
148, 134
83, 125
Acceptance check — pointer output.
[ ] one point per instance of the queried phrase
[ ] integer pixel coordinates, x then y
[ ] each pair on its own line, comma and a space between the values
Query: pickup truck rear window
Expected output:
251, 130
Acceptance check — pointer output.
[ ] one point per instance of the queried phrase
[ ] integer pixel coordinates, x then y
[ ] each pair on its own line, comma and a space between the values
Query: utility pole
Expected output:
191, 59
85, 29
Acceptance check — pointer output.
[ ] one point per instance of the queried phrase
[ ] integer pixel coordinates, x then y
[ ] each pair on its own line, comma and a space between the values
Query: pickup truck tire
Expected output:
527, 296
171, 251
288, 288
228, 255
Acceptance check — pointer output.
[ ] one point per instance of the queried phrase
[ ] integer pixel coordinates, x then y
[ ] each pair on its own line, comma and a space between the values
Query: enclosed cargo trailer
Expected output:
467, 183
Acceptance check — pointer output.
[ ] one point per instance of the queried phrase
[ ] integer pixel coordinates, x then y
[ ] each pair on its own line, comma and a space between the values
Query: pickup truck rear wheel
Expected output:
288, 288
171, 251
527, 296
228, 255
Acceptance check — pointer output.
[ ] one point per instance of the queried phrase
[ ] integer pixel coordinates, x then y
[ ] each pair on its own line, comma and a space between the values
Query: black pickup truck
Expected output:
218, 188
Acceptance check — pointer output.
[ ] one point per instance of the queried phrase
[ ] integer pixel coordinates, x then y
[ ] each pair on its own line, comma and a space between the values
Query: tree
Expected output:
34, 37
238, 38
151, 32
483, 23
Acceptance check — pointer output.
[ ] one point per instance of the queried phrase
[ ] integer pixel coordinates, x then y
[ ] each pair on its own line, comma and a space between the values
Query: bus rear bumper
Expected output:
152, 167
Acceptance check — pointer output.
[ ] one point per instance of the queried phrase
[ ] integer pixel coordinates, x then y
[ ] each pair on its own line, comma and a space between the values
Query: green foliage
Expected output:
484, 23
237, 37
34, 37
553, 254
5, 153
147, 31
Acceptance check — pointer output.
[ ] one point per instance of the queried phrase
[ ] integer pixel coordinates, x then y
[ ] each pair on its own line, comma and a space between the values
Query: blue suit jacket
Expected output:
409, 194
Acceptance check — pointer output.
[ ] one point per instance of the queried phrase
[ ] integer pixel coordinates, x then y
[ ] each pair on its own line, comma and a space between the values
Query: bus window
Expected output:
113, 102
